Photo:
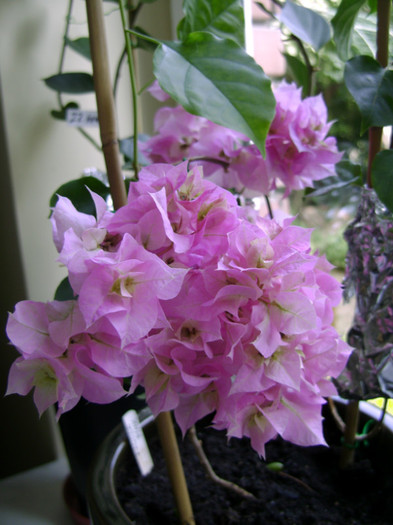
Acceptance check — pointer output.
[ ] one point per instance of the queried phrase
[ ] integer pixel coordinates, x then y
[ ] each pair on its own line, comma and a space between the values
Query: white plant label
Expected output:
81, 119
137, 440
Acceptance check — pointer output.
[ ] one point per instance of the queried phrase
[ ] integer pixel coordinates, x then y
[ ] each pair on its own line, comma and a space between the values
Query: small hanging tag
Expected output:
81, 119
137, 441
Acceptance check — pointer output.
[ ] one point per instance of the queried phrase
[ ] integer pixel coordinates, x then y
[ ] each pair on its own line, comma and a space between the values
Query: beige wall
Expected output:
45, 153
37, 154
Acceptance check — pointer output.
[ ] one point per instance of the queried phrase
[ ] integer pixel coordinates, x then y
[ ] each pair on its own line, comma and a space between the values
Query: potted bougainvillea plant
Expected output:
219, 310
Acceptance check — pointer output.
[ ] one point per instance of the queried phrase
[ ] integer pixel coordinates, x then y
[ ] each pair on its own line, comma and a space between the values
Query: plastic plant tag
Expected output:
81, 119
137, 441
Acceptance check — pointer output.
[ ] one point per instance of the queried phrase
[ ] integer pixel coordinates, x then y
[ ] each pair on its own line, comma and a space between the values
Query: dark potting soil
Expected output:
310, 490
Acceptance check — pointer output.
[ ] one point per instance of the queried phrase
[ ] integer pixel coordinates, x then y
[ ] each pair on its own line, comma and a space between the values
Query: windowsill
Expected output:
35, 497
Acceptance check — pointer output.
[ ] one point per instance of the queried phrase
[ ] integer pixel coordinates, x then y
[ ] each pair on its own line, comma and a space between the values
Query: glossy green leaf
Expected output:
299, 72
216, 79
343, 23
64, 292
80, 45
78, 193
372, 88
73, 83
306, 24
223, 18
382, 177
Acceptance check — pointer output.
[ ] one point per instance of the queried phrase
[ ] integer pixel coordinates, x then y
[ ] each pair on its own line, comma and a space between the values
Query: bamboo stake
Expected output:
110, 147
175, 468
105, 103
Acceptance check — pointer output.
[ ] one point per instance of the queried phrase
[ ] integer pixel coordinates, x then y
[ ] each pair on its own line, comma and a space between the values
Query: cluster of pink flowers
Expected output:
206, 305
298, 150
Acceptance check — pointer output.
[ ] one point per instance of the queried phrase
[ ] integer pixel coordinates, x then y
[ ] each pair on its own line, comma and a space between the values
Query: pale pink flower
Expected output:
206, 305
298, 150
155, 90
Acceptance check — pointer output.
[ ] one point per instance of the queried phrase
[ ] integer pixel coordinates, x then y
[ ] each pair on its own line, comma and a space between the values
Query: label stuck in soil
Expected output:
137, 441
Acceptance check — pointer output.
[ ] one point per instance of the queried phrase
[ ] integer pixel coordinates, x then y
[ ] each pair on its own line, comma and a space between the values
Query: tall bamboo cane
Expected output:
110, 147
105, 102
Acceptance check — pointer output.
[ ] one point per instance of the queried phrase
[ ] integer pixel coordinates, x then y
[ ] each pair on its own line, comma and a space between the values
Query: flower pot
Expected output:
310, 488
83, 429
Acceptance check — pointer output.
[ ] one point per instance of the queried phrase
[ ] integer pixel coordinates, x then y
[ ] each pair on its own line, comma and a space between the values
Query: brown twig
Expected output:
210, 472
336, 416
297, 480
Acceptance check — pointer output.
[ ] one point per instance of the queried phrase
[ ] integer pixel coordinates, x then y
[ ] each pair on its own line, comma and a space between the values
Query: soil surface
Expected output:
310, 490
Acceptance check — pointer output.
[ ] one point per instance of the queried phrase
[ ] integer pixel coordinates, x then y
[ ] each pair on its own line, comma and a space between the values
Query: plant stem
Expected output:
105, 103
175, 468
351, 426
131, 69
210, 472
269, 207
117, 74
89, 138
62, 54
375, 133
60, 70
309, 66
336, 416
132, 15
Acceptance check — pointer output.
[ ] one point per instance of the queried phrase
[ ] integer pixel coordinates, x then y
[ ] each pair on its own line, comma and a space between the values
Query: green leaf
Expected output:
373, 5
216, 79
80, 196
60, 114
306, 24
364, 35
343, 23
382, 177
74, 83
126, 147
299, 72
143, 43
348, 174
372, 88
64, 292
80, 45
275, 466
223, 18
